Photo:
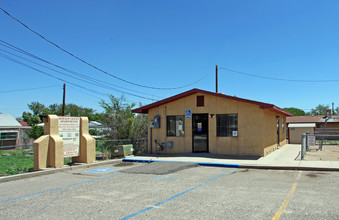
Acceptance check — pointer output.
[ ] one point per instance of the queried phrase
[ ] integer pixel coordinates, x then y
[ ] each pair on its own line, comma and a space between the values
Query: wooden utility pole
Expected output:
216, 78
64, 101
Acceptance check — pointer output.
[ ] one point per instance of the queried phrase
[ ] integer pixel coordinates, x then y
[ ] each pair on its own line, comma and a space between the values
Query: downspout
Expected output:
151, 140
165, 128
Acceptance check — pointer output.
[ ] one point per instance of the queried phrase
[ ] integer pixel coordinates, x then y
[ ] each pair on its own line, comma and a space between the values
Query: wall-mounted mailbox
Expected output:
157, 121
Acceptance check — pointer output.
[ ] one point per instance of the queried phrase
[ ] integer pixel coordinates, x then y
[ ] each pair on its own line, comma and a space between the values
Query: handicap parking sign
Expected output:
188, 113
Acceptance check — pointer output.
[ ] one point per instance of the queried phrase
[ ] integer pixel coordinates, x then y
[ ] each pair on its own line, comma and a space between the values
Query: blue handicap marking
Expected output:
188, 114
102, 170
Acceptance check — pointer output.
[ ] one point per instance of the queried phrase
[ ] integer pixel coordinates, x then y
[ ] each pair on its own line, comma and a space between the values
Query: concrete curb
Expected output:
55, 170
266, 167
171, 161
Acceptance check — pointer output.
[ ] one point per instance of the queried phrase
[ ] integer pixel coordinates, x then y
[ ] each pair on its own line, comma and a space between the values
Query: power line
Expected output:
94, 95
17, 49
82, 90
280, 79
65, 81
18, 90
80, 79
95, 67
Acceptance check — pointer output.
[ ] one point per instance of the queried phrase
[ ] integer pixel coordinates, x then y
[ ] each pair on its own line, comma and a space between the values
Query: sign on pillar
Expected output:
64, 137
69, 131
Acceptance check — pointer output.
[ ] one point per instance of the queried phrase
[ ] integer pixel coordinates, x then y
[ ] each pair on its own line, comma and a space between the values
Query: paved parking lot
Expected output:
172, 191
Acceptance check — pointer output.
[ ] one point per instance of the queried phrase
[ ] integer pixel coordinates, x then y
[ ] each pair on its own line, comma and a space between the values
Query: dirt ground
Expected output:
329, 152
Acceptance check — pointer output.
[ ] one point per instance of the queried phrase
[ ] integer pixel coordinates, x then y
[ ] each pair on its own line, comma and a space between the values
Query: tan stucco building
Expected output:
203, 121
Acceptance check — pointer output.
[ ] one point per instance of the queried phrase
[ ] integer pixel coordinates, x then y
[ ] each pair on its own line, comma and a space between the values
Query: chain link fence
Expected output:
17, 147
103, 147
321, 144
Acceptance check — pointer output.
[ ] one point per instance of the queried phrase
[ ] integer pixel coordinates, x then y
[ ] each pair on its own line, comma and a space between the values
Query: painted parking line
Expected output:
176, 196
52, 190
288, 197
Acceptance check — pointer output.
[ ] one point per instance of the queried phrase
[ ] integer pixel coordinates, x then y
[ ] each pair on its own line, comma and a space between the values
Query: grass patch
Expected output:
18, 161
67, 160
15, 162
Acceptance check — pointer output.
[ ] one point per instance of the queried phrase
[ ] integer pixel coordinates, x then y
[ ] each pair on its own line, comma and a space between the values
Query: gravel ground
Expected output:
329, 153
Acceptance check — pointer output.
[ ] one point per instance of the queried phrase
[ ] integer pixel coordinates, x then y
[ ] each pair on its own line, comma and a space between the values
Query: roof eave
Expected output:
279, 110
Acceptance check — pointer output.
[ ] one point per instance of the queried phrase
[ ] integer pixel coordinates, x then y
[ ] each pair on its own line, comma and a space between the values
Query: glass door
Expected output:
200, 132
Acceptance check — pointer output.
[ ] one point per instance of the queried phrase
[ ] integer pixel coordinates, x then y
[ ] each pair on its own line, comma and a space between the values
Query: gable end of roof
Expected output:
262, 105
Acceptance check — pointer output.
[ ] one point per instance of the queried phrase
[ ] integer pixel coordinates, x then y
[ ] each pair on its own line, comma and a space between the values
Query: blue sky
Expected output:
171, 44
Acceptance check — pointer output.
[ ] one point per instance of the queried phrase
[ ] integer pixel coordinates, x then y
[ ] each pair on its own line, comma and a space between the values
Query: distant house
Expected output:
12, 132
92, 125
301, 124
24, 124
203, 121
96, 126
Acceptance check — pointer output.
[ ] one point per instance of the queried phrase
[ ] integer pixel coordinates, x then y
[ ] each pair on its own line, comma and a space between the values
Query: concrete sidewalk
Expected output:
285, 158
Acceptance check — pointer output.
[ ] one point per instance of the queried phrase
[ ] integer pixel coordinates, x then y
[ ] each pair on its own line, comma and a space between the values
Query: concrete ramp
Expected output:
160, 168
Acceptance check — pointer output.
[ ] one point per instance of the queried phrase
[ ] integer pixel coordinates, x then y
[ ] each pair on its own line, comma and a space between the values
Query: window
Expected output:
283, 125
8, 136
227, 125
175, 125
200, 101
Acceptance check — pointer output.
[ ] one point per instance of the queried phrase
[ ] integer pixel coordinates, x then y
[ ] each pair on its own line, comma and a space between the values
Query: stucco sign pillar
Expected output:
64, 137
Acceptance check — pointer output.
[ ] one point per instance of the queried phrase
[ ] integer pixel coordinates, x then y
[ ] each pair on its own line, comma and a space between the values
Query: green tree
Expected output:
33, 118
124, 124
75, 110
37, 108
319, 110
55, 109
118, 117
336, 111
295, 111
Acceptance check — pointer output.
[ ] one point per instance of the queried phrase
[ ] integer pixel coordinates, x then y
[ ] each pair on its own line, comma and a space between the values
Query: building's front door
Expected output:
200, 132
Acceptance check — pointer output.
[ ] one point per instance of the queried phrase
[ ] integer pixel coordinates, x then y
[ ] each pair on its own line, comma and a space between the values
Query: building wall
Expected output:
270, 131
257, 130
329, 125
295, 134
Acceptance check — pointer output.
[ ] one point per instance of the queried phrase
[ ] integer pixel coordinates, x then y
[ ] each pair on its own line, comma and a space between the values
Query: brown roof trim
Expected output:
262, 105
311, 119
303, 119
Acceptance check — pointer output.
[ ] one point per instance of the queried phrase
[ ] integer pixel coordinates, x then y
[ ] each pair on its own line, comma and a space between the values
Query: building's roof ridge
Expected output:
262, 105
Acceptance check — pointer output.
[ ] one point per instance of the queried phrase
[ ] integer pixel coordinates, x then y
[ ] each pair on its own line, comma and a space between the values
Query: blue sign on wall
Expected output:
188, 113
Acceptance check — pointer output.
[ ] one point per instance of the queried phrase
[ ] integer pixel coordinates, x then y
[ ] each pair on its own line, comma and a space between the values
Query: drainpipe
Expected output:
151, 141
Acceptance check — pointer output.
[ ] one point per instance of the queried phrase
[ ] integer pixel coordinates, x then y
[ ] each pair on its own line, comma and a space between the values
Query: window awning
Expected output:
301, 125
